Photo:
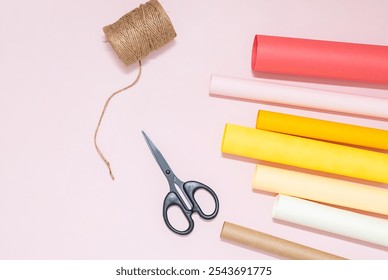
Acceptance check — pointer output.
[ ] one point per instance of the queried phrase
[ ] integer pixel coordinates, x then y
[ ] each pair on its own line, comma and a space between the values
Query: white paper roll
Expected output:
298, 96
326, 218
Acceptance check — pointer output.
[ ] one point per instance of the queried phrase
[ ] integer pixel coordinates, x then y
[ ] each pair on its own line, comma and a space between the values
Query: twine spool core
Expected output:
139, 32
133, 37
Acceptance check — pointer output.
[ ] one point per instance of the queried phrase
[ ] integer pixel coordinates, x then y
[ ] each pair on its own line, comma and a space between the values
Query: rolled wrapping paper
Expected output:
332, 220
321, 189
305, 153
322, 59
323, 130
263, 91
271, 244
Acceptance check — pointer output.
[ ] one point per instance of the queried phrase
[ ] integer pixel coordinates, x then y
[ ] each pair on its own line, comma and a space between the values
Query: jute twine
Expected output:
133, 37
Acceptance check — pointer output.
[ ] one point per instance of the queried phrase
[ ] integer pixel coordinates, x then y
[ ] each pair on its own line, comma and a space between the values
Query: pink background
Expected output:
57, 200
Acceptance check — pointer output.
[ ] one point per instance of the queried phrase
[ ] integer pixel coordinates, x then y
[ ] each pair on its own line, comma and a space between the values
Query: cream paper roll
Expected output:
263, 91
305, 153
332, 220
321, 189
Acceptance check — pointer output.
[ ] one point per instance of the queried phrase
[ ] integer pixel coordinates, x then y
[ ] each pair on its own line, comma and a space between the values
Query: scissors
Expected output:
188, 189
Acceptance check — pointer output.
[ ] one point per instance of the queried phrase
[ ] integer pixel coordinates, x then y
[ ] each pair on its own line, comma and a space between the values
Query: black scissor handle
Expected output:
190, 188
172, 199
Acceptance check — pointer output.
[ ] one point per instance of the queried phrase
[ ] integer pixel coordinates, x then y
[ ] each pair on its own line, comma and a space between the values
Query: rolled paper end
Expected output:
233, 140
254, 178
275, 206
227, 141
222, 230
224, 141
254, 53
258, 119
271, 121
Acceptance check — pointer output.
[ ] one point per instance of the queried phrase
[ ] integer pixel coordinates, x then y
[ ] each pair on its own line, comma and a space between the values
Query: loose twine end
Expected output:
102, 116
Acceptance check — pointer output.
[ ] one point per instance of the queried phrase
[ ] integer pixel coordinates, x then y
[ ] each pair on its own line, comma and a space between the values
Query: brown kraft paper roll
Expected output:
271, 244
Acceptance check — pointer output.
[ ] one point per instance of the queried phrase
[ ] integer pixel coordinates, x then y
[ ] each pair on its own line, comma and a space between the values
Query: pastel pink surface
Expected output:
57, 200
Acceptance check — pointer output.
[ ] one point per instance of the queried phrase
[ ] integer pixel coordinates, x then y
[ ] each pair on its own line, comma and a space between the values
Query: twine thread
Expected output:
102, 116
133, 37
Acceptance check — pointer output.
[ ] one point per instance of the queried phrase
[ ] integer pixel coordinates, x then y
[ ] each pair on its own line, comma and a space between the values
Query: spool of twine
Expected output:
136, 34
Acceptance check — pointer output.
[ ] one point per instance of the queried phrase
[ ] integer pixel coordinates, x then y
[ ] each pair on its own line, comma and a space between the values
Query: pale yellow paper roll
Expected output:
306, 153
321, 189
323, 130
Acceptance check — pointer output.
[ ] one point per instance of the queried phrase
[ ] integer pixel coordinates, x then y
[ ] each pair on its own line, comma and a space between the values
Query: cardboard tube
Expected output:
321, 189
263, 91
270, 244
322, 59
305, 153
323, 130
330, 219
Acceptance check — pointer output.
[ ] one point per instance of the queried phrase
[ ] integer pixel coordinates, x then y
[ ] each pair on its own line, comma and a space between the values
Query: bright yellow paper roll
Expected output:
323, 130
306, 153
321, 189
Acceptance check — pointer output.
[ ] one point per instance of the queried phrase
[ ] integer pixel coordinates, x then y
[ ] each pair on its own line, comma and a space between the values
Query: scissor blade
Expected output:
158, 156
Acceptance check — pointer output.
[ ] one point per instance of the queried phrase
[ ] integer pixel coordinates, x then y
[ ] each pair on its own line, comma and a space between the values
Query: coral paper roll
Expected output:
323, 130
323, 59
257, 90
306, 153
330, 219
271, 244
321, 189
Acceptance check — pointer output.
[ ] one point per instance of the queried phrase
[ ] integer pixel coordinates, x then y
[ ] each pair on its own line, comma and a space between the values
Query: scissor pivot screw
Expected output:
168, 171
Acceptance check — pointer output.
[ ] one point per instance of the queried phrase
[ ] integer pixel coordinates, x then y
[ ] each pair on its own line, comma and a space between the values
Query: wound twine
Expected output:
133, 37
